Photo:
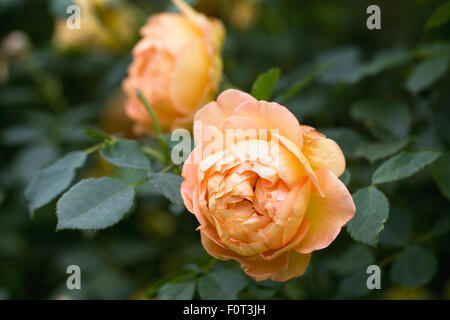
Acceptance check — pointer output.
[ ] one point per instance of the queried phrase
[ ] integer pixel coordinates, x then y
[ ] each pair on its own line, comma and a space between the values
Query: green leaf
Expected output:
183, 274
442, 225
384, 60
30, 159
261, 292
306, 105
353, 259
432, 49
372, 211
183, 290
221, 285
403, 165
441, 174
354, 285
125, 153
426, 73
439, 17
50, 181
415, 267
94, 204
379, 150
342, 64
168, 184
264, 85
23, 134
301, 83
397, 230
386, 120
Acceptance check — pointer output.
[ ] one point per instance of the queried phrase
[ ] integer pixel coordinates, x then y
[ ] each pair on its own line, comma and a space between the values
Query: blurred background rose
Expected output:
177, 65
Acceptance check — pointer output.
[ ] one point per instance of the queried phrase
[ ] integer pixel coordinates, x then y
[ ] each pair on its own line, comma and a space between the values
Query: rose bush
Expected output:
269, 199
177, 65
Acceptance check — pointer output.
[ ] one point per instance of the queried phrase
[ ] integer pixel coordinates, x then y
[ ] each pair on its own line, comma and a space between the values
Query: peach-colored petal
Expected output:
281, 268
217, 251
238, 128
212, 141
272, 116
198, 212
289, 167
295, 240
296, 266
169, 29
321, 152
288, 218
261, 269
177, 65
327, 214
187, 193
191, 14
299, 208
190, 167
289, 145
230, 99
193, 61
214, 113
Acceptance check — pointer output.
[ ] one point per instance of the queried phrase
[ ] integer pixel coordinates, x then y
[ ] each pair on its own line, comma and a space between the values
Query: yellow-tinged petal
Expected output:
289, 145
216, 250
193, 62
294, 220
296, 266
328, 214
289, 167
261, 269
170, 29
322, 152
301, 233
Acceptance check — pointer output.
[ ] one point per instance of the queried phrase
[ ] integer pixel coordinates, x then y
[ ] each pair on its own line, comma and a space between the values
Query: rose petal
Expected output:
193, 61
172, 29
271, 115
289, 167
230, 99
214, 113
260, 269
327, 214
301, 233
296, 266
299, 208
321, 152
289, 145
288, 219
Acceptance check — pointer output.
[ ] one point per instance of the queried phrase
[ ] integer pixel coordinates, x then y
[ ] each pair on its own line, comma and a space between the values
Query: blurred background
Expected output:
54, 82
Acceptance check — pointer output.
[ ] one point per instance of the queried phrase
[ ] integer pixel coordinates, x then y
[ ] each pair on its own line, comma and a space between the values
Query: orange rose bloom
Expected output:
177, 65
269, 199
